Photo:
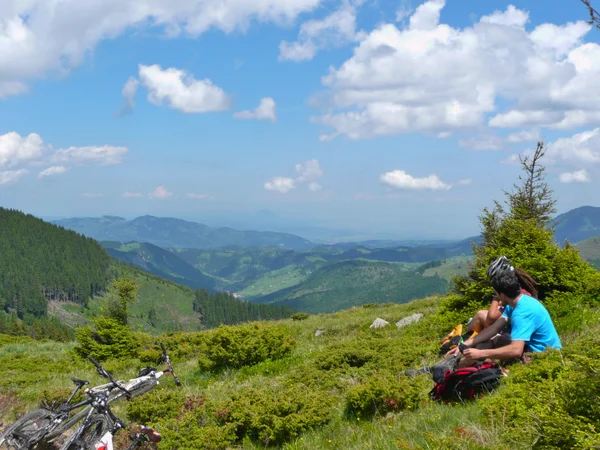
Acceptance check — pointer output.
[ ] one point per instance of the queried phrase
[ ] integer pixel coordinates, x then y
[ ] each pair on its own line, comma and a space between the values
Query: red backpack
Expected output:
467, 383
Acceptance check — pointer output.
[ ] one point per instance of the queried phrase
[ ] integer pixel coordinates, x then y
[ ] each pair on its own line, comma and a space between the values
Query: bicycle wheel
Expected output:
144, 387
97, 427
28, 430
64, 426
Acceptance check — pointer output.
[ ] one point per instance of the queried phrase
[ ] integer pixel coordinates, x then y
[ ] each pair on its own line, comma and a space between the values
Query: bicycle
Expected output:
144, 434
46, 426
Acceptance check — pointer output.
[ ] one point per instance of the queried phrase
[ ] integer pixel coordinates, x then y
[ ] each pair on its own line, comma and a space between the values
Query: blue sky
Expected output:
396, 117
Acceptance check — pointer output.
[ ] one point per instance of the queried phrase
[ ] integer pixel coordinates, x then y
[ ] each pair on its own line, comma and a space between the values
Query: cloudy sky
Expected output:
399, 116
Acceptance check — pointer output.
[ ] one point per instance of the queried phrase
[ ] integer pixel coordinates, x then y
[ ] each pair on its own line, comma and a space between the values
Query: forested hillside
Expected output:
41, 262
160, 262
44, 266
221, 308
351, 283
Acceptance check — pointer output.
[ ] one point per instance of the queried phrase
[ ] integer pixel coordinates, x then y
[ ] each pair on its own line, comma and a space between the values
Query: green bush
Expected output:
551, 402
156, 405
243, 345
383, 393
345, 355
300, 316
108, 339
274, 414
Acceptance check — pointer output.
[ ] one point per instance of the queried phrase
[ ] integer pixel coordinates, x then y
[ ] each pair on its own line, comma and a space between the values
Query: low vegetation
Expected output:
282, 385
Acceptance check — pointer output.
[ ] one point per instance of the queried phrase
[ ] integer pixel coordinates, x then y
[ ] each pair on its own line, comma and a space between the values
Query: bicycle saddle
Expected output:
79, 382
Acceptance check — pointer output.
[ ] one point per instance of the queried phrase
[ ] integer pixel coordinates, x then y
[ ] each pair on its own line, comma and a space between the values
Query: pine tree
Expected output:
524, 233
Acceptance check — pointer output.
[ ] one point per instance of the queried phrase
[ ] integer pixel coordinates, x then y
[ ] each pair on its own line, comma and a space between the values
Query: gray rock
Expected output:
379, 323
408, 320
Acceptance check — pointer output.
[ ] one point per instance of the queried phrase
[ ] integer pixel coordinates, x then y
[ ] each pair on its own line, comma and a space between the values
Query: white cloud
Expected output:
490, 141
264, 111
92, 195
308, 171
52, 171
160, 192
15, 150
280, 184
430, 77
401, 180
129, 93
465, 182
200, 196
579, 176
403, 11
18, 152
39, 37
181, 91
314, 186
132, 195
339, 28
575, 151
11, 176
102, 155
581, 148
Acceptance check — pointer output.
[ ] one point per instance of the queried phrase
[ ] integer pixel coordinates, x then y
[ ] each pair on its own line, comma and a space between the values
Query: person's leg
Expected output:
478, 322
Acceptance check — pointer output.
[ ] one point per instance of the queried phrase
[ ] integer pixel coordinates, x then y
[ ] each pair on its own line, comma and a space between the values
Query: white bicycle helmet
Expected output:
499, 266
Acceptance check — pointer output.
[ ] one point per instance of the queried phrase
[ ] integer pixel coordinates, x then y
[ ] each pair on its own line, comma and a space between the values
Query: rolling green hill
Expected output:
578, 224
236, 268
169, 232
342, 285
165, 306
590, 250
160, 262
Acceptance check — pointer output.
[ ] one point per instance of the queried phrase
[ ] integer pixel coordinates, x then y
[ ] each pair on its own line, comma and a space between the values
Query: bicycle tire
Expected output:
97, 427
32, 428
61, 428
144, 387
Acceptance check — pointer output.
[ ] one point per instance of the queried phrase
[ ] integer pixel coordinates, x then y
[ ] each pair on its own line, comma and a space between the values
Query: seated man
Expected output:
484, 318
531, 328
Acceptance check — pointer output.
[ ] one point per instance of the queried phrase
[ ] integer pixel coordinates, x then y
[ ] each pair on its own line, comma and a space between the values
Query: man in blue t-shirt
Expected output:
531, 328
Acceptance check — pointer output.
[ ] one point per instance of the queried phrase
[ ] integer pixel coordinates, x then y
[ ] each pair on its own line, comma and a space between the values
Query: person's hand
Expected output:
455, 351
473, 353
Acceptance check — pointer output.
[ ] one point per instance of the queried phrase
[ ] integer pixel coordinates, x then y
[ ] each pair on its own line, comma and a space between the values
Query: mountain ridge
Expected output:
168, 232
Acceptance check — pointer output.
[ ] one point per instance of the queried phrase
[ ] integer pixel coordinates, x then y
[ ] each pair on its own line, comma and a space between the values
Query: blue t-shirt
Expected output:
530, 322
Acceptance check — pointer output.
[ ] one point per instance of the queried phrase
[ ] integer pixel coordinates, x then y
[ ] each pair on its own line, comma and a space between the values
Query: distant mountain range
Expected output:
177, 233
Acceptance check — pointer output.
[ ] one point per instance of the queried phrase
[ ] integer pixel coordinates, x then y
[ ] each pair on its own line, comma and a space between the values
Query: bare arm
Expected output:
510, 351
494, 312
487, 333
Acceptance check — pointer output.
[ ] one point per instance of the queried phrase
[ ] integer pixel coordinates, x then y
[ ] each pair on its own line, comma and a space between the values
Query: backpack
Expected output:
467, 383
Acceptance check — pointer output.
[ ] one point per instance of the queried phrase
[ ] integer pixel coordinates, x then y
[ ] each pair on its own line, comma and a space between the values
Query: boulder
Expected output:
379, 323
408, 320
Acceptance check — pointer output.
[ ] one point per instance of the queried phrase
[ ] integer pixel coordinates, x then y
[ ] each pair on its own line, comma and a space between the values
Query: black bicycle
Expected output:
44, 425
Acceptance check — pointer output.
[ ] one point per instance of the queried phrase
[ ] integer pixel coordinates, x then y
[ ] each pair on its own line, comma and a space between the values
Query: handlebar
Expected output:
102, 371
168, 362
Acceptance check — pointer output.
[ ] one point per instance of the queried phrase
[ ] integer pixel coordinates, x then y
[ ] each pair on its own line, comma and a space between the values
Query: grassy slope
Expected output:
590, 248
28, 369
172, 302
349, 283
458, 265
